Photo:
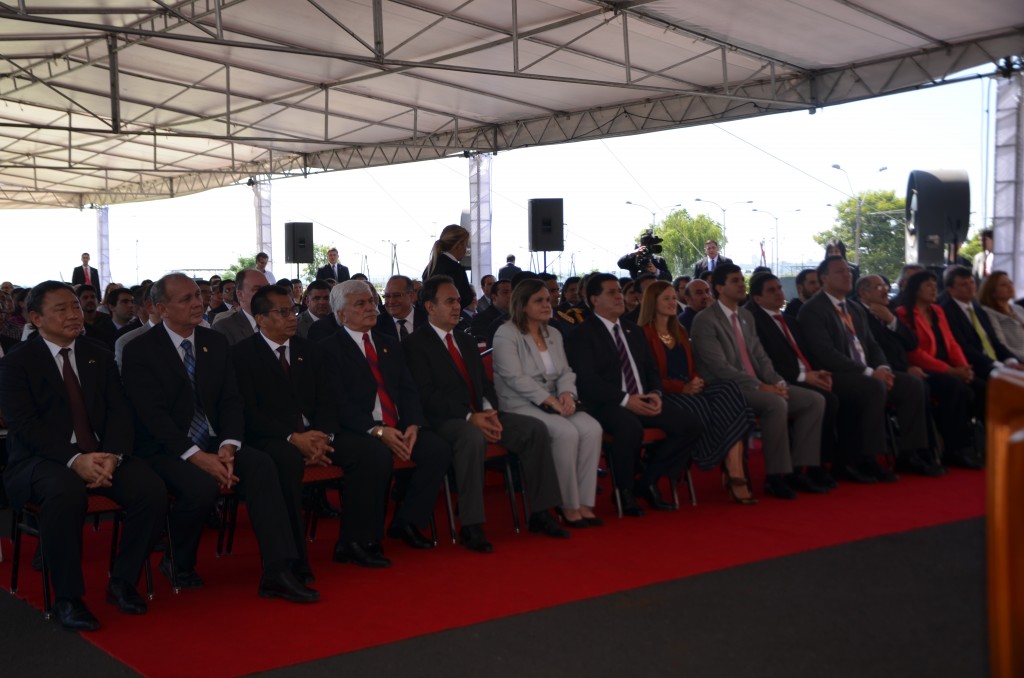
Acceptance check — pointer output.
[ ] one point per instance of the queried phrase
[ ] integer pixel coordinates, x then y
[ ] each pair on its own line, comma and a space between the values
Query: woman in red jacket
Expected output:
723, 410
950, 377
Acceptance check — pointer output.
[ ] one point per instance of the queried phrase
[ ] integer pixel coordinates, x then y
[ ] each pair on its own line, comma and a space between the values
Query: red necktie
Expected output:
84, 435
460, 365
88, 278
785, 330
388, 413
742, 345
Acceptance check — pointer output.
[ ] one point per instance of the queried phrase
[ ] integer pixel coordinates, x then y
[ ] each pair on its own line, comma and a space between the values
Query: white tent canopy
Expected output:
110, 101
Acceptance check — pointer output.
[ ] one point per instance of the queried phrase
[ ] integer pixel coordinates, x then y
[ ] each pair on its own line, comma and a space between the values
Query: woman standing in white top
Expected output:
532, 377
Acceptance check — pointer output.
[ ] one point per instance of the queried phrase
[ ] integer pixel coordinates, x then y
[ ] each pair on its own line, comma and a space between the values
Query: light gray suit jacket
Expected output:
520, 378
235, 326
718, 355
123, 340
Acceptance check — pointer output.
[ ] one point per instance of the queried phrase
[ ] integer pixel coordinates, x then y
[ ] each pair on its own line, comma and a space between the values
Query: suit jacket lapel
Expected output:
50, 373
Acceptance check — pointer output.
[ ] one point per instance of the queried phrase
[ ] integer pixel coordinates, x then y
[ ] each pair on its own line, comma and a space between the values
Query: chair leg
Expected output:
689, 488
673, 485
222, 526
170, 558
448, 505
47, 596
615, 488
510, 488
16, 539
148, 569
526, 502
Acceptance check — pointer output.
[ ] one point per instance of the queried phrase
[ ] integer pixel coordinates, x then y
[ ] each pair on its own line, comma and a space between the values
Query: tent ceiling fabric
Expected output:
109, 101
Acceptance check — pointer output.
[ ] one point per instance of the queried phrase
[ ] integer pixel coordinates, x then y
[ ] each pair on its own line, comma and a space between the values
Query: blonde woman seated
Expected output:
721, 407
996, 297
532, 377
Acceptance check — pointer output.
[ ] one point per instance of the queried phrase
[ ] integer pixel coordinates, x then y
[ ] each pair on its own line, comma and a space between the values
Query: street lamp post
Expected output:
860, 207
712, 202
775, 267
653, 212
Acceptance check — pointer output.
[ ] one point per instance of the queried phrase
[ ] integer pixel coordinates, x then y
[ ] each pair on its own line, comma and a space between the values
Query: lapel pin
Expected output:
385, 350
92, 362
205, 350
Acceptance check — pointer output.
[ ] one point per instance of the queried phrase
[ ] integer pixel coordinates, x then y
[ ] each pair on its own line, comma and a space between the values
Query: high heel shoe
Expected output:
728, 482
578, 523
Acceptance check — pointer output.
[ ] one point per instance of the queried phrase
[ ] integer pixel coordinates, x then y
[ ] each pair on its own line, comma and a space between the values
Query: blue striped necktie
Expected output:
199, 428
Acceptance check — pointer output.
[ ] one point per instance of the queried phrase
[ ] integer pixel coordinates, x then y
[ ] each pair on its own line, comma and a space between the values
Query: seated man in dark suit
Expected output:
782, 339
290, 411
486, 322
697, 295
401, 308
839, 340
98, 325
726, 346
381, 419
949, 397
972, 327
807, 285
458, 401
70, 434
190, 423
620, 386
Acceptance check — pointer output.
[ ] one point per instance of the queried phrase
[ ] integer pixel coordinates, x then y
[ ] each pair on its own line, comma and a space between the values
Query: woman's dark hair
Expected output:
910, 292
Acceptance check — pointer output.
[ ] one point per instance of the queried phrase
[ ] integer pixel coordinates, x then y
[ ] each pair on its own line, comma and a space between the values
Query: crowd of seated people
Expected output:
170, 393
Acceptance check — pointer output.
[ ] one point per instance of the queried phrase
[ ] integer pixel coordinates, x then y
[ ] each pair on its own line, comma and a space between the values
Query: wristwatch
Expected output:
379, 433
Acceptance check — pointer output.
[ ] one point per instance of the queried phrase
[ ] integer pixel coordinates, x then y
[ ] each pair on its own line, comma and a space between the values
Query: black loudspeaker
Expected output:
298, 242
546, 225
938, 214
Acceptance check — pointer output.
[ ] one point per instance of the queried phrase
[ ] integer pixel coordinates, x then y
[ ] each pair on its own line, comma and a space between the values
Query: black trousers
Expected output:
951, 403
367, 464
195, 492
290, 466
667, 458
62, 497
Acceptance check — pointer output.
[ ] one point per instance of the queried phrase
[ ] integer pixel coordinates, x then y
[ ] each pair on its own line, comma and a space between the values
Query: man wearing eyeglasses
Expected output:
403, 315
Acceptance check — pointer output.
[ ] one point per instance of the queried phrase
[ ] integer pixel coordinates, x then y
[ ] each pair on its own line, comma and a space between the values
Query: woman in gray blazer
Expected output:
532, 377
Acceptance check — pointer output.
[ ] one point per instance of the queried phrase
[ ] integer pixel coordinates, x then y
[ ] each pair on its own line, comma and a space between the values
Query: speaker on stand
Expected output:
938, 216
546, 233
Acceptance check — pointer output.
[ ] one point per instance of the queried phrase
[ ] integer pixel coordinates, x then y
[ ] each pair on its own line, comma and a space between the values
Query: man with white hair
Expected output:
381, 419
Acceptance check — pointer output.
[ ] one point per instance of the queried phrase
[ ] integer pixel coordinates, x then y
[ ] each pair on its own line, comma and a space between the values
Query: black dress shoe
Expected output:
321, 506
542, 522
474, 539
411, 536
124, 595
652, 496
286, 586
803, 483
963, 459
629, 506
303, 573
74, 615
912, 463
183, 579
364, 556
776, 486
881, 474
853, 475
821, 476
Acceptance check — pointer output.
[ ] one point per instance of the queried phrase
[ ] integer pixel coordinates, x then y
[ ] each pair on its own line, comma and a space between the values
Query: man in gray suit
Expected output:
318, 305
241, 324
726, 346
153, 319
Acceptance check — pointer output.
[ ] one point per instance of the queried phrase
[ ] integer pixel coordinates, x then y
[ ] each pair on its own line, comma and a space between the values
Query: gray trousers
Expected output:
781, 452
525, 436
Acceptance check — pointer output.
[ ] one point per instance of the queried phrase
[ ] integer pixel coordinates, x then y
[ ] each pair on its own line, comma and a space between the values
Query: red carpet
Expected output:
225, 629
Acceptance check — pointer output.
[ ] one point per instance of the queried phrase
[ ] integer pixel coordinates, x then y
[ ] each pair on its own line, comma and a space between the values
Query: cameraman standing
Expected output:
645, 259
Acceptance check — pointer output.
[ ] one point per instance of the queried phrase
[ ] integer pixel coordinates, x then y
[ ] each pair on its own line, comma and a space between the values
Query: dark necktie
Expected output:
402, 331
199, 428
388, 413
789, 337
76, 399
282, 353
627, 368
460, 365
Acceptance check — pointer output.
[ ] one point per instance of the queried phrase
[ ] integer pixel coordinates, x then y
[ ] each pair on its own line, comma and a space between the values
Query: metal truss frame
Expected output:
97, 153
